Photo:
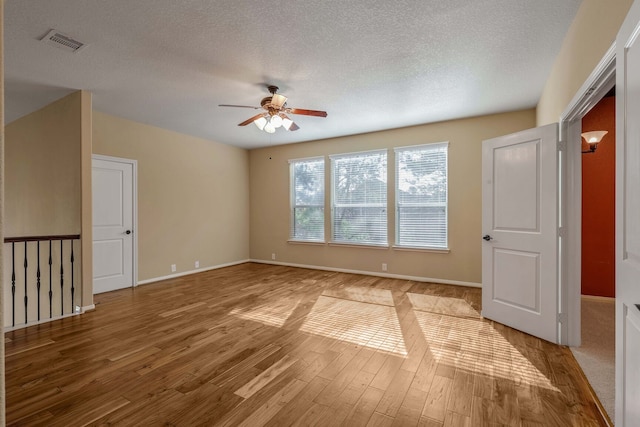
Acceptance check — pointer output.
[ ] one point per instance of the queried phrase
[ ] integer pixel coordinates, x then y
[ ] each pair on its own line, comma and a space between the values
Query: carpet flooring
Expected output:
596, 355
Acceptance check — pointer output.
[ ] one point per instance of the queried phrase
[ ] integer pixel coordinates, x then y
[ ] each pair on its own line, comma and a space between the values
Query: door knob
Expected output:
487, 237
128, 232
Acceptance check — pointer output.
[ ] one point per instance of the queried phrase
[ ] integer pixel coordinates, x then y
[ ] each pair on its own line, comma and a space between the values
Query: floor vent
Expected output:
62, 41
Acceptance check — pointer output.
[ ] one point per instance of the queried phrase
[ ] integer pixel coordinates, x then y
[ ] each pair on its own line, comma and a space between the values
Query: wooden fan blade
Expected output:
293, 127
307, 112
238, 106
251, 120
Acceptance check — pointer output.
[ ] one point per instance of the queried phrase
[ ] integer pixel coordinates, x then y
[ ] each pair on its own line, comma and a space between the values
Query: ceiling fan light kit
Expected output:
260, 122
275, 114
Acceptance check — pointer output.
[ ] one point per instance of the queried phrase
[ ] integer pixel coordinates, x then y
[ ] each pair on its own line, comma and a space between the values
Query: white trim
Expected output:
599, 82
421, 249
83, 310
358, 153
360, 245
370, 273
572, 222
292, 196
134, 165
38, 322
419, 146
186, 273
395, 176
598, 298
307, 242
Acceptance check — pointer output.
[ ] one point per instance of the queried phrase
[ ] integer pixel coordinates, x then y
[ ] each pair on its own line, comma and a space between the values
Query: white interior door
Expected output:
520, 228
113, 243
628, 220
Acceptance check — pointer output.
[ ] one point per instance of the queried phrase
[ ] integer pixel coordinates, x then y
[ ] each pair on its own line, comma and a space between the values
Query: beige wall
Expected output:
270, 199
44, 156
193, 195
42, 171
592, 32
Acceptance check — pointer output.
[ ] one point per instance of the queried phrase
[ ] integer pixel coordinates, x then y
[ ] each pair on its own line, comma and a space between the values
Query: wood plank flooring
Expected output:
257, 345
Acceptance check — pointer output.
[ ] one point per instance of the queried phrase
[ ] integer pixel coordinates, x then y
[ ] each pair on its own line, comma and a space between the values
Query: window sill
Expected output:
306, 242
420, 249
361, 246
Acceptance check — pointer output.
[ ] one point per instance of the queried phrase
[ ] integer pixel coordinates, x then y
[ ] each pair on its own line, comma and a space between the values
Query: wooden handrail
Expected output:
41, 238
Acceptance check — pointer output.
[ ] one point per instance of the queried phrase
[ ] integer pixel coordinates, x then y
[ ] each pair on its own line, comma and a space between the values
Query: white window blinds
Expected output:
359, 198
307, 200
421, 196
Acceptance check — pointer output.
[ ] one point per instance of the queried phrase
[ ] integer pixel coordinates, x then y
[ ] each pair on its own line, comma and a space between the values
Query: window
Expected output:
360, 198
421, 196
307, 200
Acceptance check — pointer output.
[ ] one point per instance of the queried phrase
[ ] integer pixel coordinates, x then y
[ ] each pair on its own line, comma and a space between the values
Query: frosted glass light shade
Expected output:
286, 123
595, 136
269, 128
276, 121
260, 122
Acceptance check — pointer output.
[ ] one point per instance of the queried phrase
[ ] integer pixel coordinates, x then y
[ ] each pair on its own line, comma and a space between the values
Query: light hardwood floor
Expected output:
269, 345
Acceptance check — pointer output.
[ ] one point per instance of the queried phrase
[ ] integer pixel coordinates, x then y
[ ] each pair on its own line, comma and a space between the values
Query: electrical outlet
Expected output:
197, 264
173, 268
273, 255
384, 266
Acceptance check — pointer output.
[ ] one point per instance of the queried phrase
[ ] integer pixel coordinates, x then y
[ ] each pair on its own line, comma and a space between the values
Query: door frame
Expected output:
599, 82
134, 165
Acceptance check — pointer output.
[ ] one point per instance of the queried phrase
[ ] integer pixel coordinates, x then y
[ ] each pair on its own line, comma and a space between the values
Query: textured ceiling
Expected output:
371, 64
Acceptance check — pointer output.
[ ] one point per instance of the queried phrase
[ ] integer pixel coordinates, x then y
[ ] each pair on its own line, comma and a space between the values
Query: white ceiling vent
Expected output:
62, 41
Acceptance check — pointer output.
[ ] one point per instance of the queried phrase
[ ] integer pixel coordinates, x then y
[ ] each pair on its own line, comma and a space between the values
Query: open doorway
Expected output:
596, 353
595, 89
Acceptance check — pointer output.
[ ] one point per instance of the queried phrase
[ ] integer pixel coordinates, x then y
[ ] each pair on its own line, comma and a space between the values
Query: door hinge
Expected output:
562, 145
561, 232
562, 317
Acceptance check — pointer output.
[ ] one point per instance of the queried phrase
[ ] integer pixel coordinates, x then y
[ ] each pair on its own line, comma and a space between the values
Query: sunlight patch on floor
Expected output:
268, 314
475, 346
442, 305
371, 325
368, 295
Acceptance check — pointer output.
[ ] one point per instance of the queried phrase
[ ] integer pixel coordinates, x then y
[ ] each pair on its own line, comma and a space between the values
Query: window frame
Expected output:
334, 205
292, 200
397, 205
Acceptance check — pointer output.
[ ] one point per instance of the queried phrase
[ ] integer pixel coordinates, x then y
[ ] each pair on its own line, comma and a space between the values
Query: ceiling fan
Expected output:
276, 113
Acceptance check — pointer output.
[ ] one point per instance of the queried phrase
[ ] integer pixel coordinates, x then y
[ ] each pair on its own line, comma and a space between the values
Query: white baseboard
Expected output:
186, 273
371, 273
598, 298
83, 309
38, 322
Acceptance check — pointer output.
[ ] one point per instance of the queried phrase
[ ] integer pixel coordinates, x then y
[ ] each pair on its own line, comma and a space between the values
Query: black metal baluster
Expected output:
50, 284
61, 280
13, 283
26, 298
73, 289
38, 279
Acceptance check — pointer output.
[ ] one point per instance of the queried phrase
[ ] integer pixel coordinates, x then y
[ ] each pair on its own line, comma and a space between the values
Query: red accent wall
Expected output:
598, 203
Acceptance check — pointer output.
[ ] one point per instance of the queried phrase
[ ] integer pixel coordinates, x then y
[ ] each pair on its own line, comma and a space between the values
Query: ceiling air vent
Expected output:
62, 41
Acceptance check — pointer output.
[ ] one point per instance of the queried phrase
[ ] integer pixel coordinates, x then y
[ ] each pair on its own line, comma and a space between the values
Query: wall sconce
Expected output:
593, 138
